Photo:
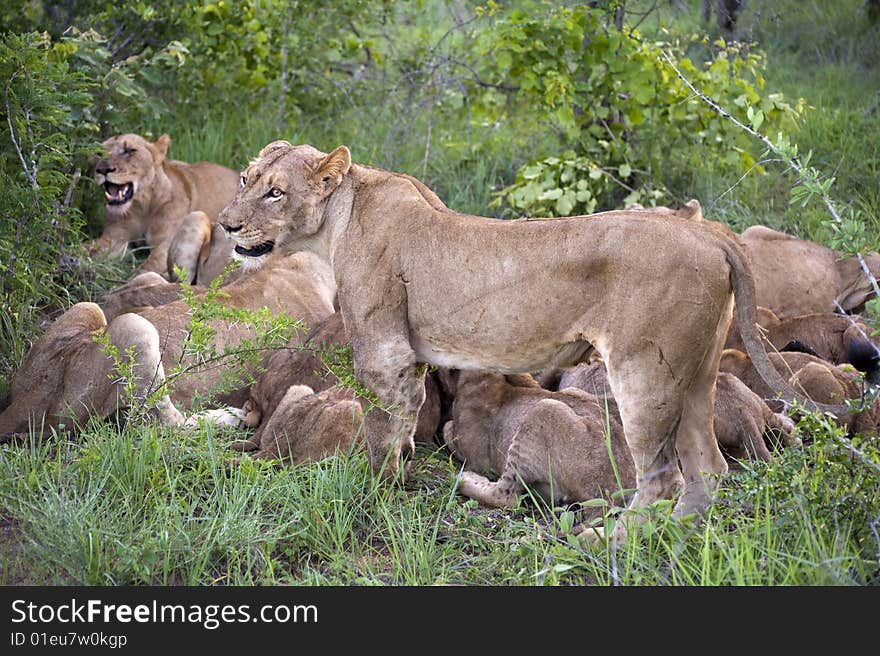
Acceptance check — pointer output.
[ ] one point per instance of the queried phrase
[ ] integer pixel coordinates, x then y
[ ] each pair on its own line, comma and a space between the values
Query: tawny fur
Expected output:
818, 379
743, 423
838, 338
65, 378
302, 364
796, 276
420, 283
165, 192
557, 443
145, 290
307, 426
201, 248
65, 369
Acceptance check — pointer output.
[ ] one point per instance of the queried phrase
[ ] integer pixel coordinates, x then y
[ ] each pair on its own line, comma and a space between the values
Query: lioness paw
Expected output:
233, 417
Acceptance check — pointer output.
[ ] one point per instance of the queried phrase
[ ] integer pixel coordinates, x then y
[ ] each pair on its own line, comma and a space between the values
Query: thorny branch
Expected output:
30, 175
795, 165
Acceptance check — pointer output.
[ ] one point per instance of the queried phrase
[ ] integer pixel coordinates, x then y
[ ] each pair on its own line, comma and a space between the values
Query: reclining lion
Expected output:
554, 442
818, 379
796, 276
837, 338
148, 197
420, 283
64, 378
743, 422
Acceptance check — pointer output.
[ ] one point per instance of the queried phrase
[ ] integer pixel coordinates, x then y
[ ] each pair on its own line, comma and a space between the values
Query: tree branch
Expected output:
24, 165
792, 161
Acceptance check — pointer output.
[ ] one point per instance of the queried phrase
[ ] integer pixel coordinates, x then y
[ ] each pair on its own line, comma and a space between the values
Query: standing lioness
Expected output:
420, 283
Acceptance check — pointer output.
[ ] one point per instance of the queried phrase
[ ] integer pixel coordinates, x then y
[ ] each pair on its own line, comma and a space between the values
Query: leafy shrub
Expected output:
614, 97
44, 141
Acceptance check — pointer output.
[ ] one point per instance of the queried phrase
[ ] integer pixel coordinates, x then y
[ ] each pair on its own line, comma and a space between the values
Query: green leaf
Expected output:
503, 59
566, 203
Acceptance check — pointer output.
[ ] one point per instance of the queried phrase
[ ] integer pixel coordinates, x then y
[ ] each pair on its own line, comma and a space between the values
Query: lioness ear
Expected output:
330, 171
161, 145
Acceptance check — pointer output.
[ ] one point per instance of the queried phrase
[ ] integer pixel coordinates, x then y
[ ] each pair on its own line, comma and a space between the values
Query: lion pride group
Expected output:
549, 429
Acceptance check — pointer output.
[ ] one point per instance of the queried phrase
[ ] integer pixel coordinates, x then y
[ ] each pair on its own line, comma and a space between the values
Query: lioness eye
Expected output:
127, 151
275, 192
243, 181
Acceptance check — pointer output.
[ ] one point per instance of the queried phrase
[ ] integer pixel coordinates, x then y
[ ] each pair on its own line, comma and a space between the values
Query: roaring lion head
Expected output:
148, 197
280, 198
128, 170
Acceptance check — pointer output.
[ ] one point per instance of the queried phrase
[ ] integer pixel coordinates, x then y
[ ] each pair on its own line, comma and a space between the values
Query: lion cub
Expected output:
742, 420
819, 379
557, 443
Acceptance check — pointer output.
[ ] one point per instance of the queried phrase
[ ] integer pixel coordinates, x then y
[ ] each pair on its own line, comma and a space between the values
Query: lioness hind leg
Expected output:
131, 333
650, 410
188, 245
701, 458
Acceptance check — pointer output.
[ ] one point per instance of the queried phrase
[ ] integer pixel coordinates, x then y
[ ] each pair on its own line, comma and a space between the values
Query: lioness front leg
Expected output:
389, 370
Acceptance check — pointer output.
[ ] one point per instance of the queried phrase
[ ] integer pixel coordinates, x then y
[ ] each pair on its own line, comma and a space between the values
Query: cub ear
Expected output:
161, 146
275, 145
329, 172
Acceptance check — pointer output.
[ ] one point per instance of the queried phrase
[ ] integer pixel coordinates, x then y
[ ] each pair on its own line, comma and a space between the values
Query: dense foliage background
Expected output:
506, 108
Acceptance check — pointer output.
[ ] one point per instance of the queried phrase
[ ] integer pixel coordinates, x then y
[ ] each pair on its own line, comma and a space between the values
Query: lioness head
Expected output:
281, 198
128, 170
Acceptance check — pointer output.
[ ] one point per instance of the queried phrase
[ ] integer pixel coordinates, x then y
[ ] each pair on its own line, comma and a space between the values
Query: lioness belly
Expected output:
498, 356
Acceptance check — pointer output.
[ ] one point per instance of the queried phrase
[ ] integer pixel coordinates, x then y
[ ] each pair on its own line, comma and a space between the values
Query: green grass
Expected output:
151, 507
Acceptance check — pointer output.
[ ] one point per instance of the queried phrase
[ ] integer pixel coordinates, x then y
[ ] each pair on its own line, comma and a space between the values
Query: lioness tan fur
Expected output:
819, 380
201, 248
148, 195
420, 283
796, 276
554, 442
142, 291
64, 377
834, 337
742, 421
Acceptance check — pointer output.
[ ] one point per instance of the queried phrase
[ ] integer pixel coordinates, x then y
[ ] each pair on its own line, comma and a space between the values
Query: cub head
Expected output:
127, 171
281, 199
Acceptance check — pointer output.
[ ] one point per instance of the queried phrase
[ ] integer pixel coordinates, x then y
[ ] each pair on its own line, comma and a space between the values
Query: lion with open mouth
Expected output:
418, 283
148, 197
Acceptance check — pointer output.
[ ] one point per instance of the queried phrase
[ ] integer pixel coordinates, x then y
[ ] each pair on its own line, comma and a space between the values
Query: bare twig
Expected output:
744, 176
30, 175
74, 180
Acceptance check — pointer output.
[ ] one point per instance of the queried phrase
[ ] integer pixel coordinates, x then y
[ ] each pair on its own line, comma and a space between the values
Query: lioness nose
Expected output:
230, 229
104, 168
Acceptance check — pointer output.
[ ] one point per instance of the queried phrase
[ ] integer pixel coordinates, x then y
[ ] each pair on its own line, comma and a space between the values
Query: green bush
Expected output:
612, 95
